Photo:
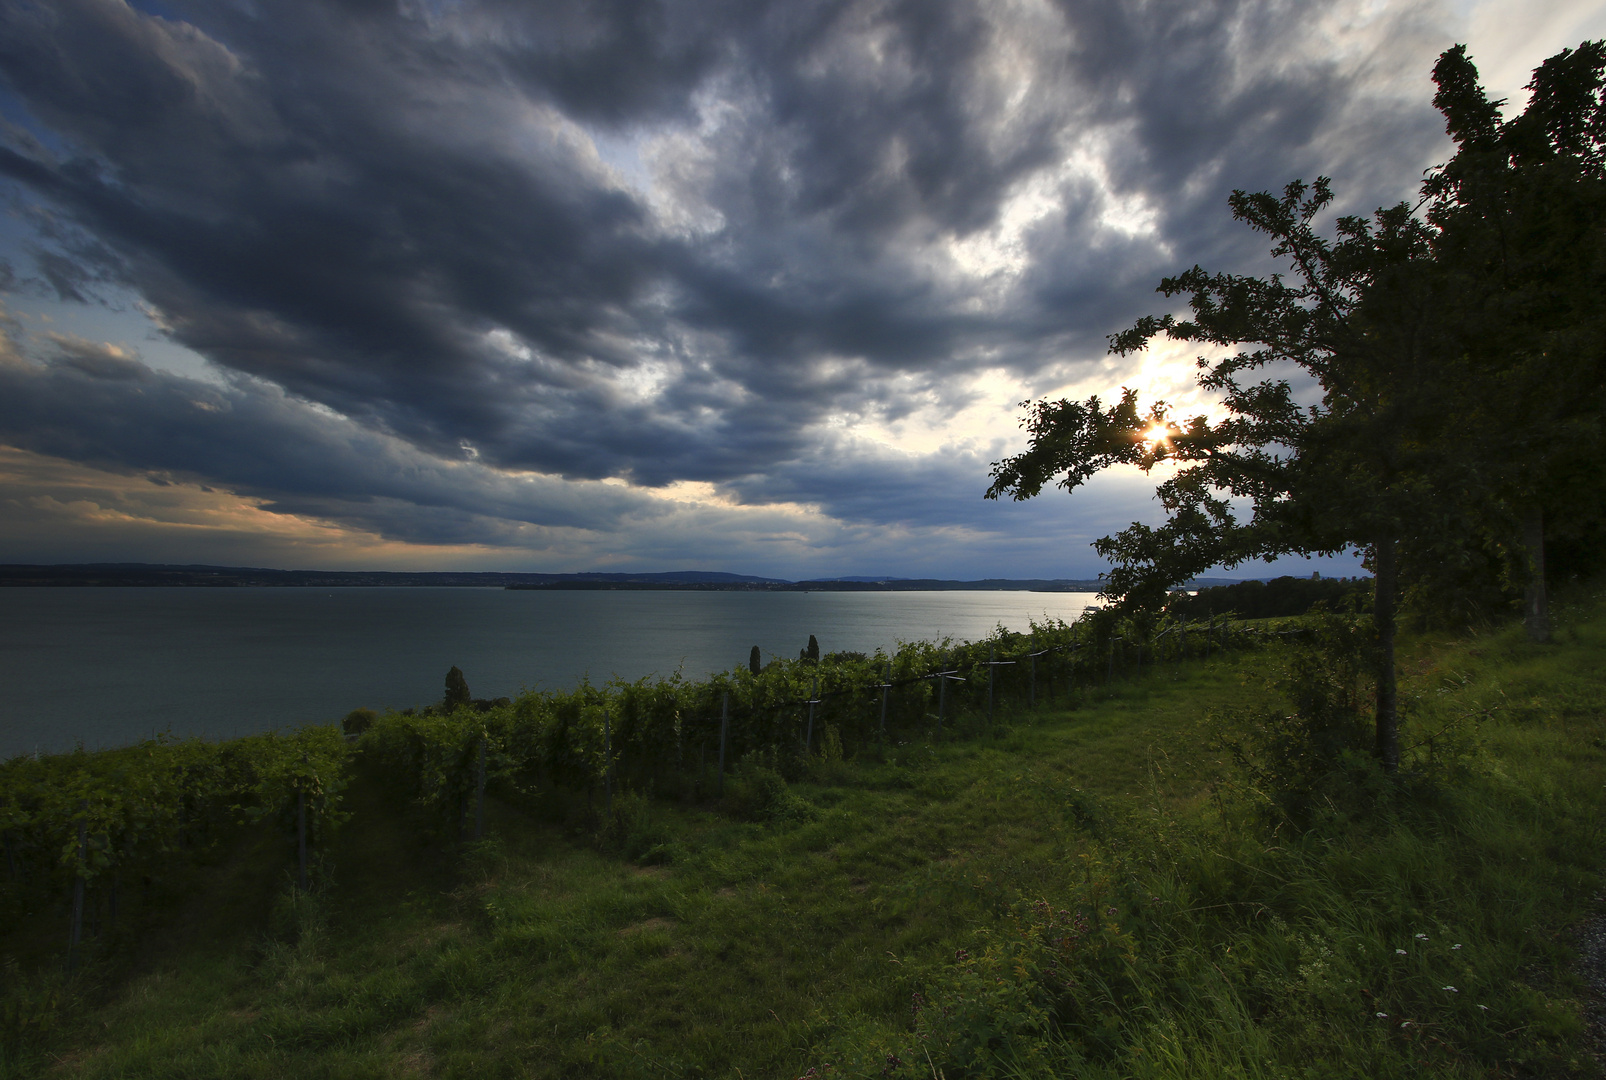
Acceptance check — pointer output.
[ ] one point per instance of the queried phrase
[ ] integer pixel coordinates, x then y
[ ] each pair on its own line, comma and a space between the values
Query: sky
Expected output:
626, 285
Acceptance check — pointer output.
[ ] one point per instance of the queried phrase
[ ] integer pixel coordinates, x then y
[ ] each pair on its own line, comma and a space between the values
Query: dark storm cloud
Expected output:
397, 212
252, 438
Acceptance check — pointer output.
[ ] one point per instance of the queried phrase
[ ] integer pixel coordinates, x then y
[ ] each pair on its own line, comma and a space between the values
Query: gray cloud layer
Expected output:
399, 213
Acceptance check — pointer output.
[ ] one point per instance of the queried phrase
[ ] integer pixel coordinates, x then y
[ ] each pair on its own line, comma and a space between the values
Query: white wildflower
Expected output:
1452, 989
1399, 952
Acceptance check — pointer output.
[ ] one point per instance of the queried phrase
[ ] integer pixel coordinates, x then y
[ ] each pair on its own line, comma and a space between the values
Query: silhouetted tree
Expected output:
1521, 217
754, 664
456, 689
1354, 316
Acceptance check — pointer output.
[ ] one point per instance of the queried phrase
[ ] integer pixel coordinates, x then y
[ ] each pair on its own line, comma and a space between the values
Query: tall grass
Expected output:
1412, 923
1130, 883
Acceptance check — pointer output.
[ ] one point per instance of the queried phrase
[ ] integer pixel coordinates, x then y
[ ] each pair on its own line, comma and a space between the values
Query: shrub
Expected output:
1311, 761
358, 721
758, 792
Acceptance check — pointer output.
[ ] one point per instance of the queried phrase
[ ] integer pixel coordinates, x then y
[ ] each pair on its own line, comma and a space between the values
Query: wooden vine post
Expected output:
607, 763
992, 667
1031, 694
943, 675
301, 838
993, 663
479, 794
75, 930
808, 734
886, 687
724, 729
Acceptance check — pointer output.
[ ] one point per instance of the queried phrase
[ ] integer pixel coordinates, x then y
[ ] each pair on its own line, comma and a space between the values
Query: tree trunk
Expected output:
1385, 572
1535, 603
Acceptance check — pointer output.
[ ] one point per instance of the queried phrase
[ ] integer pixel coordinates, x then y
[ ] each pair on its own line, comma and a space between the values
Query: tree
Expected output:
1460, 359
456, 690
754, 663
1519, 212
1312, 478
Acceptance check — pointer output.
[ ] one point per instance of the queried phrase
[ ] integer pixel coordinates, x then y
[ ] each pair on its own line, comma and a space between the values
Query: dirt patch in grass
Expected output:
657, 922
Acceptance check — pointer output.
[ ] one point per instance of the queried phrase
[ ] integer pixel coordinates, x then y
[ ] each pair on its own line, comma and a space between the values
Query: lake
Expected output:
110, 666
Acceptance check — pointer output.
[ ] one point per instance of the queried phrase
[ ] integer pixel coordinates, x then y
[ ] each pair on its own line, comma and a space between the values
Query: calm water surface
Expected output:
109, 666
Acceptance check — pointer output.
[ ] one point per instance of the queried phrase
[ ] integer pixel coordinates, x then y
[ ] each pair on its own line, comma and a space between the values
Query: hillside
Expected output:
1112, 884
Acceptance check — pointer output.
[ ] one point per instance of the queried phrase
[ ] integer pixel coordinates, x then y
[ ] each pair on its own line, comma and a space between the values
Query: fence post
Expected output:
942, 694
1033, 698
111, 893
724, 727
183, 816
992, 658
607, 763
886, 687
75, 930
301, 838
479, 794
808, 735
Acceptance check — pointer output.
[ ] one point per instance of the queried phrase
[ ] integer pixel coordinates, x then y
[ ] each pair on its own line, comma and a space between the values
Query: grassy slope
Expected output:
764, 945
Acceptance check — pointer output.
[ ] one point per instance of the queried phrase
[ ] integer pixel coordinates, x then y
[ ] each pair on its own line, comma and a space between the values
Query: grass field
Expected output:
1093, 889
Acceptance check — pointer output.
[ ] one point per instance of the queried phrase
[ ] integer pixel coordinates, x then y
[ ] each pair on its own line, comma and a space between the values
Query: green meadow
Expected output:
1144, 879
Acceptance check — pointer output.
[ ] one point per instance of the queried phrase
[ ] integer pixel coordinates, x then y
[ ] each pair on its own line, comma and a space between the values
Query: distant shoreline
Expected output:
149, 575
897, 585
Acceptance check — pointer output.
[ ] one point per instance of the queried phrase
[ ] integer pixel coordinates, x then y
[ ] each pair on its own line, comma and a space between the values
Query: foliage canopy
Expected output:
1456, 357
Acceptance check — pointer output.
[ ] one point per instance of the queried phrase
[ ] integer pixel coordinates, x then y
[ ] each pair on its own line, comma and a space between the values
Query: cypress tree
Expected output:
456, 689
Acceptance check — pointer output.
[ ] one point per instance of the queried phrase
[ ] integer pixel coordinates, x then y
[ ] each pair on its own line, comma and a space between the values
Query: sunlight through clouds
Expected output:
536, 286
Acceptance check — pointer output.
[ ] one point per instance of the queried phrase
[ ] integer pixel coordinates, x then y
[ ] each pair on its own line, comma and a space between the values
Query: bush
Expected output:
758, 792
358, 721
1313, 761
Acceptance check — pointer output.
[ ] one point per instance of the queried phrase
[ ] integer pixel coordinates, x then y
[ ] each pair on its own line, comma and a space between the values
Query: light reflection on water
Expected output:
109, 666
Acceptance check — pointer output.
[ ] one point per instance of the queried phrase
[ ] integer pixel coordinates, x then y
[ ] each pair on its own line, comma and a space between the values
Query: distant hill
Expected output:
200, 575
149, 574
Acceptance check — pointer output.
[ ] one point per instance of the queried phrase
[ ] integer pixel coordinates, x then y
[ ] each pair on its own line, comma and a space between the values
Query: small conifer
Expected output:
456, 689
